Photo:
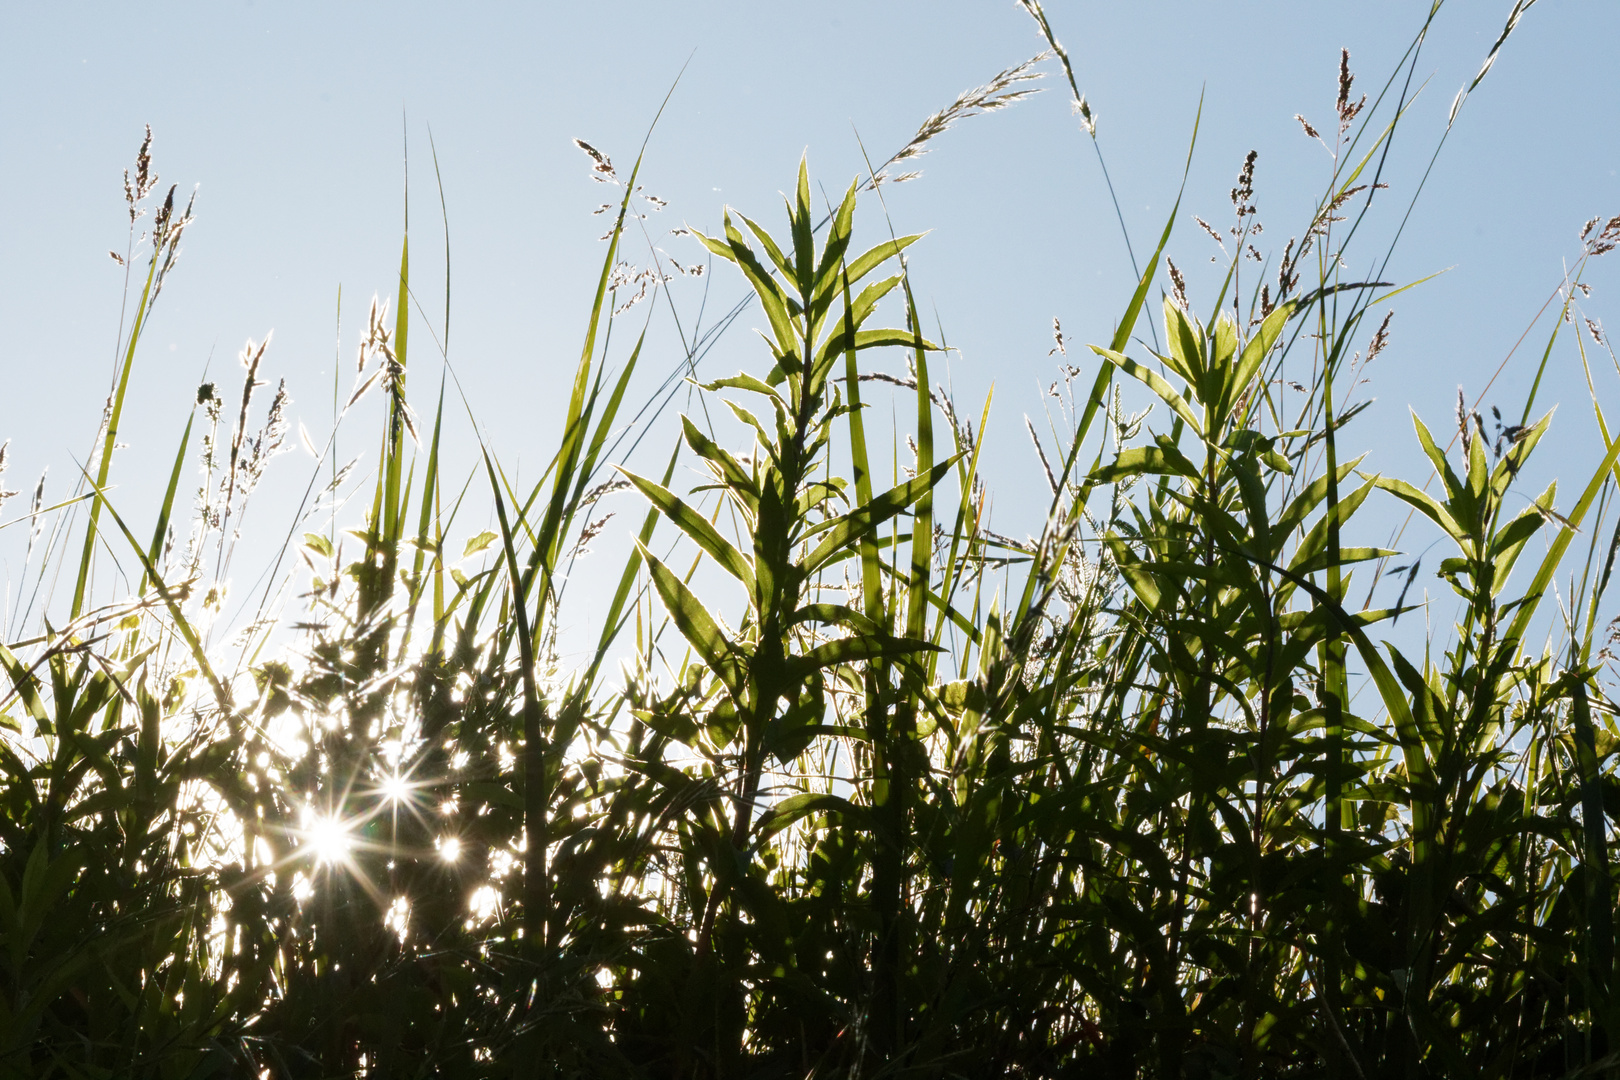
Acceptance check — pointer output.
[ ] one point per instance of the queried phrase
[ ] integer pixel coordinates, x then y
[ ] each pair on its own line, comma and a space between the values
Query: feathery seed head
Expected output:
998, 93
601, 166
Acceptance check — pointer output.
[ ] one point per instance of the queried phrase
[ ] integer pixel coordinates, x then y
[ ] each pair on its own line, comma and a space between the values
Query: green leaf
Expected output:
735, 476
1307, 500
1155, 382
1315, 539
1122, 333
221, 690
743, 381
873, 339
794, 807
1225, 339
1186, 339
851, 527
1510, 539
24, 685
832, 255
1456, 492
770, 247
698, 627
1555, 551
1347, 555
1256, 351
479, 543
865, 647
687, 518
875, 257
770, 294
1155, 460
835, 615
1427, 505
804, 240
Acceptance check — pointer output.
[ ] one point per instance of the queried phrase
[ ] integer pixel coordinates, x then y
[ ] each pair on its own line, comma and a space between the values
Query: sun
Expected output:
329, 840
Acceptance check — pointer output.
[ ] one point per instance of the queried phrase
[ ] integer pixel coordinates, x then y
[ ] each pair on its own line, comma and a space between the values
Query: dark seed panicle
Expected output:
1605, 240
1381, 338
1178, 285
1346, 108
1244, 192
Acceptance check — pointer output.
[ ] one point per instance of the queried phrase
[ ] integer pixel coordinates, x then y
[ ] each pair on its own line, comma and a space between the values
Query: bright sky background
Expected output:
291, 116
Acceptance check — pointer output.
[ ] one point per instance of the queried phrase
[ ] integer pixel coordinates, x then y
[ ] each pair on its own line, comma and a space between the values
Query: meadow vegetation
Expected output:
851, 785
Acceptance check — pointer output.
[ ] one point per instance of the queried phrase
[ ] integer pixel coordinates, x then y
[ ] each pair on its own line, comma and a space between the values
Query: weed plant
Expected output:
876, 791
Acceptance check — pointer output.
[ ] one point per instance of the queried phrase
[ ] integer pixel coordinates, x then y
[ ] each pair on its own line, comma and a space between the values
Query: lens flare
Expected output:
396, 789
328, 839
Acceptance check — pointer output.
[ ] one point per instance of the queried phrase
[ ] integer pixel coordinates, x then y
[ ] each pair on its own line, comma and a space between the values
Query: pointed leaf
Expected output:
1155, 382
845, 530
1154, 460
1425, 504
1258, 348
691, 522
698, 627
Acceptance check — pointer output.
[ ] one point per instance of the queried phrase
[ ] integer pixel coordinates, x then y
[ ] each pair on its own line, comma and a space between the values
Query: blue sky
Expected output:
292, 117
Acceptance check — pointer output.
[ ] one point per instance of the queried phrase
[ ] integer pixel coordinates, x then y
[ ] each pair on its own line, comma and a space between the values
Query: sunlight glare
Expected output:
484, 903
396, 789
329, 840
398, 917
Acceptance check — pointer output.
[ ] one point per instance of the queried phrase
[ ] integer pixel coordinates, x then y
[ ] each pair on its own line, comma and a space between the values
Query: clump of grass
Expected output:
900, 795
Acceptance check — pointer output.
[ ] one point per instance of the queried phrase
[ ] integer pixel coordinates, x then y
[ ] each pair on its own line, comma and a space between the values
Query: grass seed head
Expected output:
601, 166
164, 215
1347, 109
5, 453
1345, 196
1210, 229
998, 93
1381, 338
1178, 284
1243, 194
1603, 241
36, 523
138, 188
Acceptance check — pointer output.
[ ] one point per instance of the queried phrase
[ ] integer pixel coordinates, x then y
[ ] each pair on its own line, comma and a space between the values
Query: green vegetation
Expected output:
880, 792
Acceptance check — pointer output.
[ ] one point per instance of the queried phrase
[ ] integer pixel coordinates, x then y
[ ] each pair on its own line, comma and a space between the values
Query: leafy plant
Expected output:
882, 791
